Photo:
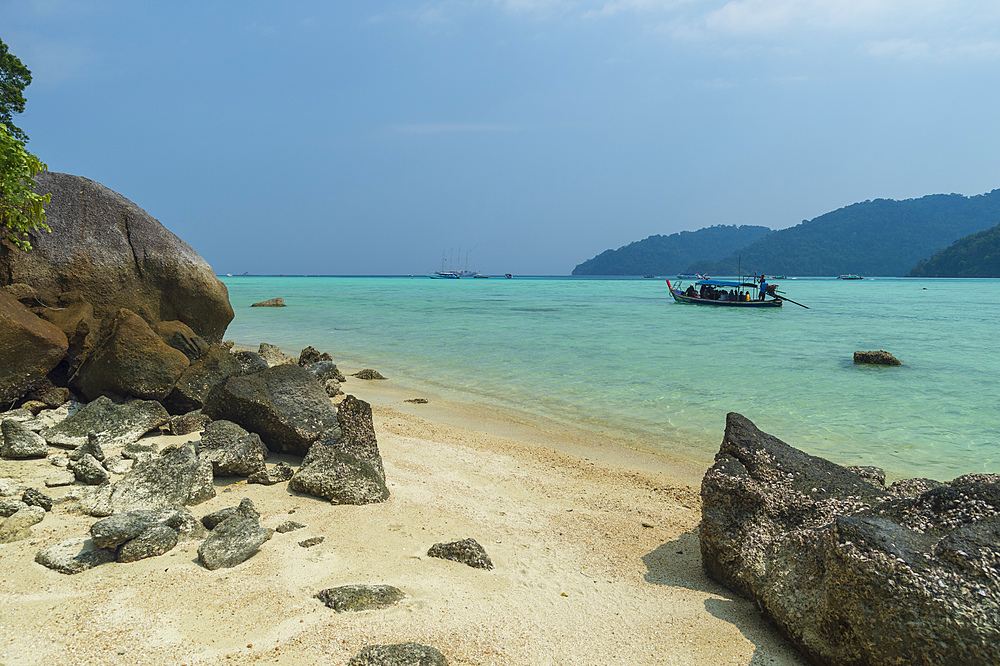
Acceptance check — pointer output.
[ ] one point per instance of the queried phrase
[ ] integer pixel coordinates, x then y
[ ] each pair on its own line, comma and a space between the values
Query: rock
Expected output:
45, 395
232, 450
288, 526
309, 356
18, 526
117, 256
273, 356
357, 430
29, 346
74, 316
115, 530
59, 479
250, 362
117, 465
368, 373
876, 358
130, 360
34, 497
466, 551
8, 507
283, 404
234, 540
850, 572
91, 446
212, 520
48, 418
185, 424
151, 543
328, 471
19, 442
212, 368
277, 302
417, 401
19, 415
401, 654
74, 555
171, 481
324, 370
179, 335
89, 471
355, 598
874, 474
118, 424
141, 450
312, 541
268, 477
11, 487
332, 388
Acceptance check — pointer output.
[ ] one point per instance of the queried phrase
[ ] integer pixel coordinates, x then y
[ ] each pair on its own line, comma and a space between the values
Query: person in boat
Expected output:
763, 288
691, 292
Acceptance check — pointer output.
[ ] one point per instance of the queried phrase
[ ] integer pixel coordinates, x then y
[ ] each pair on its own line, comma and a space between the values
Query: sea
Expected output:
617, 358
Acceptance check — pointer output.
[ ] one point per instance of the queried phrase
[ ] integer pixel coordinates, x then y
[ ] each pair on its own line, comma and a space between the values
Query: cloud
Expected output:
911, 49
452, 128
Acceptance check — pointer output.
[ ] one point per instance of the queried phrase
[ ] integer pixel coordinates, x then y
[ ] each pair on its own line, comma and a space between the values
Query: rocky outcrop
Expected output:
29, 348
117, 256
171, 481
130, 360
285, 405
234, 540
277, 302
850, 571
466, 551
119, 425
879, 357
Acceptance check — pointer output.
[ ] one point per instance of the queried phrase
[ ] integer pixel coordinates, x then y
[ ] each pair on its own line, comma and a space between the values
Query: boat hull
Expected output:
681, 298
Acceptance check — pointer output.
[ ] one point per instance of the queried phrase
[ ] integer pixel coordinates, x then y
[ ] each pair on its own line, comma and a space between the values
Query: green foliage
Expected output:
881, 237
21, 209
14, 76
669, 255
976, 255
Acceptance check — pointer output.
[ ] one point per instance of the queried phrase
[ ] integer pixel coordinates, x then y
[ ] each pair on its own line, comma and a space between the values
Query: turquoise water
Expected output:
618, 358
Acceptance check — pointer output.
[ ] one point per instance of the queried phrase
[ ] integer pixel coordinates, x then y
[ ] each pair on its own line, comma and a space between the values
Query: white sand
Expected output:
595, 547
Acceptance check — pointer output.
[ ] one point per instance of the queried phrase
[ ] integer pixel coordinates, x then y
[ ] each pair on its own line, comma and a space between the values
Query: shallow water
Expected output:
618, 358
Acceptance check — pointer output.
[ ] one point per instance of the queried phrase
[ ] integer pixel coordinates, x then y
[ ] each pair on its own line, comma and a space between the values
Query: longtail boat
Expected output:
745, 293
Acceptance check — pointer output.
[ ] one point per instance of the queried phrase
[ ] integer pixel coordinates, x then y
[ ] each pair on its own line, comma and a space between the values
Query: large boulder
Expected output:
116, 255
29, 348
285, 405
171, 481
850, 571
211, 368
232, 450
328, 471
130, 360
117, 425
75, 317
234, 540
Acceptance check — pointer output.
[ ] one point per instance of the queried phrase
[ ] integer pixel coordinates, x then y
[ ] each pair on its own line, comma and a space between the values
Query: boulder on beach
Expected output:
116, 256
210, 369
234, 540
852, 572
273, 355
278, 302
19, 442
399, 654
878, 357
466, 551
119, 424
29, 348
232, 450
74, 555
328, 471
18, 526
355, 598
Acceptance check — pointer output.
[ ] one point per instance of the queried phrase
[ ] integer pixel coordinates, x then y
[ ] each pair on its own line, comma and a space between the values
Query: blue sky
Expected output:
528, 135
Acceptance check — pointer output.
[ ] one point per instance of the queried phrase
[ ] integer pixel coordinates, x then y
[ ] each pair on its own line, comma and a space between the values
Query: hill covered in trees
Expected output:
880, 237
977, 255
669, 255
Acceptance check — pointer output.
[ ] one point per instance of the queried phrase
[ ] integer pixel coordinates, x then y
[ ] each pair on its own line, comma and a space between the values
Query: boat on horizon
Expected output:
850, 276
692, 276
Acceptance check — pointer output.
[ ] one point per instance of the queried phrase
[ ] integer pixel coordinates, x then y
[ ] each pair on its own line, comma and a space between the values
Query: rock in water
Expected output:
850, 572
879, 357
285, 405
277, 302
401, 654
29, 346
117, 256
236, 539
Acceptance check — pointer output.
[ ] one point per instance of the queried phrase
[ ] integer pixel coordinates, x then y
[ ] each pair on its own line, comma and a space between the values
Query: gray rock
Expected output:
89, 470
210, 369
288, 526
185, 424
117, 425
59, 479
850, 572
171, 481
10, 487
212, 520
250, 362
368, 373
273, 355
91, 446
277, 302
332, 388
329, 472
59, 460
51, 417
19, 442
879, 357
466, 551
324, 370
117, 465
115, 530
310, 355
142, 449
232, 450
281, 472
74, 555
18, 526
20, 415
401, 654
8, 507
311, 541
285, 405
35, 497
155, 541
358, 432
235, 540
354, 598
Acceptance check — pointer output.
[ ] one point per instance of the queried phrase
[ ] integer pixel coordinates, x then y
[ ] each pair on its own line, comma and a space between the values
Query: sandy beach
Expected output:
595, 550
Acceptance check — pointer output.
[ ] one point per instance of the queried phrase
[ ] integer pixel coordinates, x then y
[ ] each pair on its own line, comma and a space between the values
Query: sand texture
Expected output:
596, 562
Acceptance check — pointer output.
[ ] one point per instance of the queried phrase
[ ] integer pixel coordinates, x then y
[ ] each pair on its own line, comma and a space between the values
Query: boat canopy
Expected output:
725, 283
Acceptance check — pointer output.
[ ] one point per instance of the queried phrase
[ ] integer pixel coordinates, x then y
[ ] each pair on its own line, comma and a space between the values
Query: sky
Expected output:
506, 136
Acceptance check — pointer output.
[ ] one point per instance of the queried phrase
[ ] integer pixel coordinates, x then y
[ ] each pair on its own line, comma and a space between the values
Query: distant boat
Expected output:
444, 275
508, 276
648, 276
850, 276
692, 276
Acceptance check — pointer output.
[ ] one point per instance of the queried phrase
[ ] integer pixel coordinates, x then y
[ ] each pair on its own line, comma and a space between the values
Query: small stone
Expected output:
466, 551
288, 526
59, 479
311, 541
353, 598
33, 497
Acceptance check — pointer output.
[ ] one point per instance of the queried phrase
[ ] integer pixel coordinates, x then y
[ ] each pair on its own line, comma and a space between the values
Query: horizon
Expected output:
532, 134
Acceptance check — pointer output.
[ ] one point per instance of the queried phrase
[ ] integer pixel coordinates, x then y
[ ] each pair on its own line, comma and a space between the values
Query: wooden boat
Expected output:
746, 291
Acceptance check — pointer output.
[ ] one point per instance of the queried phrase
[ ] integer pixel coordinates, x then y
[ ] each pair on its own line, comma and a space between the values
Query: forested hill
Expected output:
669, 255
881, 237
977, 255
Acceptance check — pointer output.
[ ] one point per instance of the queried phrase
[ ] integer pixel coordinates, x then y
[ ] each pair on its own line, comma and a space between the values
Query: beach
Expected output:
595, 550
